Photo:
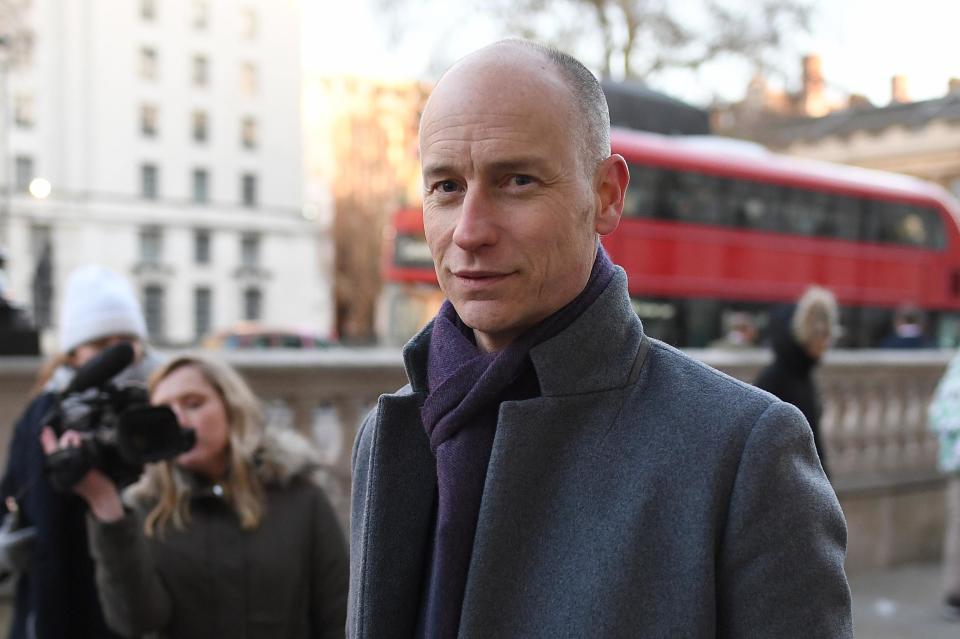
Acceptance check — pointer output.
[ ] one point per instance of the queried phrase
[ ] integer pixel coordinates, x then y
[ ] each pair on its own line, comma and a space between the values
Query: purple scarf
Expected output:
460, 417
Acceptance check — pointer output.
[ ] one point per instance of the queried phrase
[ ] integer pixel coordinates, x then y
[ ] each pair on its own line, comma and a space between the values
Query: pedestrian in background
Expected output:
908, 331
800, 336
739, 332
233, 538
944, 420
56, 597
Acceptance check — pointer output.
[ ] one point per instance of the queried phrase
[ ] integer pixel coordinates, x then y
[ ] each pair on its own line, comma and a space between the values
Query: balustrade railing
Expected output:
874, 419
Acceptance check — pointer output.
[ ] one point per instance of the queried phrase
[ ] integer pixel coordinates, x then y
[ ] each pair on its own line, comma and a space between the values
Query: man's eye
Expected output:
521, 180
446, 186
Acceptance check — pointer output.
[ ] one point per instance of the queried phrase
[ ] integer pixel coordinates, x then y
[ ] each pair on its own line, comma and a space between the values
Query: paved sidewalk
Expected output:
900, 603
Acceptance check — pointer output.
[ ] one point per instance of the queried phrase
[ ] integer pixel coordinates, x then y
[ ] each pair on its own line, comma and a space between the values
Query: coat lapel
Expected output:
545, 452
400, 509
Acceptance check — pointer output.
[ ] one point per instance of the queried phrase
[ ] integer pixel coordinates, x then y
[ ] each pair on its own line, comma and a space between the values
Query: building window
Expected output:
151, 245
24, 112
200, 126
41, 244
200, 71
148, 63
148, 10
23, 173
201, 246
149, 120
149, 181
202, 311
248, 23
200, 14
248, 187
153, 311
250, 250
252, 304
248, 133
201, 185
248, 78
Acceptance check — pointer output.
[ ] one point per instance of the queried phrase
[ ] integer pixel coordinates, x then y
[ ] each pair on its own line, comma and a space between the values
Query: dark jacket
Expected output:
790, 376
642, 494
286, 578
57, 597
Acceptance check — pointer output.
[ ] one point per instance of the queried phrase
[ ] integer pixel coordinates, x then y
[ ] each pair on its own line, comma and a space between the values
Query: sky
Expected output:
862, 43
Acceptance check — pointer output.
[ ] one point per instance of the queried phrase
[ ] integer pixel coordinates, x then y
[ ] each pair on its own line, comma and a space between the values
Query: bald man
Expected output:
550, 471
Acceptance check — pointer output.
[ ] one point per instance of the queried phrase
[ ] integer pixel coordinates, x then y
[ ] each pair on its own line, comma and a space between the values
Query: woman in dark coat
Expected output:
233, 538
56, 595
800, 336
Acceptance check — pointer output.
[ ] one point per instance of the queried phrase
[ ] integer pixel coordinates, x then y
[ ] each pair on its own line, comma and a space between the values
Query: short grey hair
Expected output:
589, 102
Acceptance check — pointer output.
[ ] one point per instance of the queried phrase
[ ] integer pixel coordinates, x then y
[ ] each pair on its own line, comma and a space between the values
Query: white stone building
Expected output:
170, 134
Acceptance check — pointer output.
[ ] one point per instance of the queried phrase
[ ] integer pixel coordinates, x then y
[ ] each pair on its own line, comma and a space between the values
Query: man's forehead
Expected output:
507, 72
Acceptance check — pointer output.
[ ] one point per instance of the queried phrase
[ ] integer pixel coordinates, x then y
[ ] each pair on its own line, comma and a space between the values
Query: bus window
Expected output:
909, 227
752, 205
695, 198
947, 330
845, 212
935, 235
642, 196
411, 250
801, 211
903, 224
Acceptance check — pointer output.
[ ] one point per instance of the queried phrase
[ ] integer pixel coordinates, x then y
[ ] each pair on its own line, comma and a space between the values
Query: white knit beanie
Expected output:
98, 302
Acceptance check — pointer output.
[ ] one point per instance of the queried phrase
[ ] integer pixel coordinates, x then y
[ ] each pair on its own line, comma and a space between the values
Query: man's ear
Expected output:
611, 181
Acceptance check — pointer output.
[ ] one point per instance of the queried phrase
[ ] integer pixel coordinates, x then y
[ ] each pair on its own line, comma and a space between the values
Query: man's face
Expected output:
508, 208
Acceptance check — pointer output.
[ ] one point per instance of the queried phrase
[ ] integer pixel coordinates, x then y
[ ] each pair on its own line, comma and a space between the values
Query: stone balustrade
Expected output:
881, 456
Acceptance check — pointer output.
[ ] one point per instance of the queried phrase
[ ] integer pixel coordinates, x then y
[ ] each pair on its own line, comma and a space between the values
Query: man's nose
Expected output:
477, 225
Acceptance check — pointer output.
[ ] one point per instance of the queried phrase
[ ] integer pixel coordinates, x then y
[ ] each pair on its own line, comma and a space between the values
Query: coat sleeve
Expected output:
330, 568
132, 595
360, 468
780, 564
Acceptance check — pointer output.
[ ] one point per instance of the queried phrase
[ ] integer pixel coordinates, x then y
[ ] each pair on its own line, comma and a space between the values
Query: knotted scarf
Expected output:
466, 387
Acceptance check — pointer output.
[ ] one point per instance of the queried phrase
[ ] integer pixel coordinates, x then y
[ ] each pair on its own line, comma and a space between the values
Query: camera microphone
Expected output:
102, 368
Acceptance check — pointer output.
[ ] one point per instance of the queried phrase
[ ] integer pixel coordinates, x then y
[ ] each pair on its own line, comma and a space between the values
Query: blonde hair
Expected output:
242, 488
816, 316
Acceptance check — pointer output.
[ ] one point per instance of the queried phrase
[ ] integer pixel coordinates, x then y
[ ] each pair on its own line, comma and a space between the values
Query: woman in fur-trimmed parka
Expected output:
232, 539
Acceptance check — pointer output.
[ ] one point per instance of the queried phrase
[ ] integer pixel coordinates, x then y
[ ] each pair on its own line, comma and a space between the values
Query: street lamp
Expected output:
40, 188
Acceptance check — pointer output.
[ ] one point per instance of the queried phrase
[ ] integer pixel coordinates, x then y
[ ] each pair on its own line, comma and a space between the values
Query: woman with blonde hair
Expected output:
800, 336
232, 538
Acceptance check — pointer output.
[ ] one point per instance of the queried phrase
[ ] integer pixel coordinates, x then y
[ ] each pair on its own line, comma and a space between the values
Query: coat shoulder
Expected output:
674, 375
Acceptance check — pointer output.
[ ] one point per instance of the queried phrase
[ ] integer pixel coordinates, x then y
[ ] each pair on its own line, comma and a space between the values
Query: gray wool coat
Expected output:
644, 494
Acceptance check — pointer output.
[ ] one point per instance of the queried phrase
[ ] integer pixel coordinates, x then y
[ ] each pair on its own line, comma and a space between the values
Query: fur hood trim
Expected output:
282, 457
285, 455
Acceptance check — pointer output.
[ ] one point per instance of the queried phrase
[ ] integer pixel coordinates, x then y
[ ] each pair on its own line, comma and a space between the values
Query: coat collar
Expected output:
608, 331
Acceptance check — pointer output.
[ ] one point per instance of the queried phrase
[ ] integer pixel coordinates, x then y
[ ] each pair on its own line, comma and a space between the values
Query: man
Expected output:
550, 471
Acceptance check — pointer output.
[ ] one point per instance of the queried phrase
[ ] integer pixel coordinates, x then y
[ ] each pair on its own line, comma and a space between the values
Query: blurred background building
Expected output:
362, 141
919, 138
163, 139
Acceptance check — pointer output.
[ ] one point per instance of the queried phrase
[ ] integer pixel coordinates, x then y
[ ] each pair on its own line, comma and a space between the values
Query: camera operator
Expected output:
56, 595
232, 538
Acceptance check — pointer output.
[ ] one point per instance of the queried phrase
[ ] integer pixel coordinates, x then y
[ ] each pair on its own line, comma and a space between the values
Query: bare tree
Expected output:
641, 38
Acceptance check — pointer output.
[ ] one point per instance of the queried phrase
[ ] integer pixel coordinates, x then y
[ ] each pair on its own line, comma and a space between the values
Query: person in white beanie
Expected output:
56, 594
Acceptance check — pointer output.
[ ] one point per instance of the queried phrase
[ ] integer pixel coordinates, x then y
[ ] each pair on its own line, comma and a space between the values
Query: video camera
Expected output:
120, 430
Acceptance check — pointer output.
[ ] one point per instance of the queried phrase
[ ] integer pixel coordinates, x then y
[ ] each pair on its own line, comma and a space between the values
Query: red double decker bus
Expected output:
714, 226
